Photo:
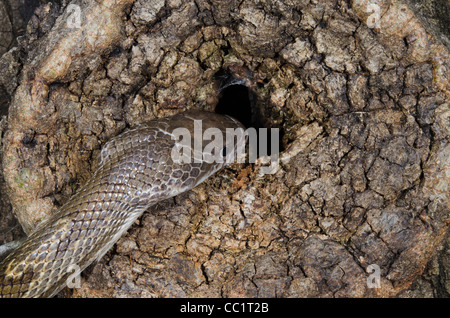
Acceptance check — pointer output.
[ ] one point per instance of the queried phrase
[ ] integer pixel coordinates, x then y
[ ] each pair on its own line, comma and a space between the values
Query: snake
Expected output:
136, 170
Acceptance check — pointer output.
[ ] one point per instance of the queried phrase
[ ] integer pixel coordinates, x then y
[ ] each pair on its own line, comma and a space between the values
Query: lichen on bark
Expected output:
363, 178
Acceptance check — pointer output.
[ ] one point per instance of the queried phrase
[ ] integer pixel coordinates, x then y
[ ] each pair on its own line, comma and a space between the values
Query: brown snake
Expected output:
136, 171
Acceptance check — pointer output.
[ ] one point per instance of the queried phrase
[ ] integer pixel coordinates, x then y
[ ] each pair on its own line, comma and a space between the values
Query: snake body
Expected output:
135, 172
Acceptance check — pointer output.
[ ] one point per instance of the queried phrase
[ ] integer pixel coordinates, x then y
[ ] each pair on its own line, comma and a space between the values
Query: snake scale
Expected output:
135, 172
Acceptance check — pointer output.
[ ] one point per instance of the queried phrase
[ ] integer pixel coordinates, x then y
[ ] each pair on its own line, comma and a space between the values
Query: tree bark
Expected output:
359, 91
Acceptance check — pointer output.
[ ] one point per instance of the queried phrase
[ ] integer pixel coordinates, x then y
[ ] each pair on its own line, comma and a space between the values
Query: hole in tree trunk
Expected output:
241, 103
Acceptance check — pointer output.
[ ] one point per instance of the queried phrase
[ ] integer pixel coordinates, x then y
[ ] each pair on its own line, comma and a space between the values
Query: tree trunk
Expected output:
358, 89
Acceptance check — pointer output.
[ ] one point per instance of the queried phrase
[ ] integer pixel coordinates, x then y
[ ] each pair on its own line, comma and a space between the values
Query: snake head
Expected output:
202, 144
211, 139
165, 157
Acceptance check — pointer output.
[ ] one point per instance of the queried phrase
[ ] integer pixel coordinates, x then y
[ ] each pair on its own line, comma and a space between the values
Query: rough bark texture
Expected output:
363, 178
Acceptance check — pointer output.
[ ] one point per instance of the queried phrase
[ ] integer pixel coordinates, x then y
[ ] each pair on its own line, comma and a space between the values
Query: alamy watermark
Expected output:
373, 20
373, 280
73, 280
74, 18
232, 148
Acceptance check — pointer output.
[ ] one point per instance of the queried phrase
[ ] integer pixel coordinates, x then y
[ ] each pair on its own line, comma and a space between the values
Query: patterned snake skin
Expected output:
135, 171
